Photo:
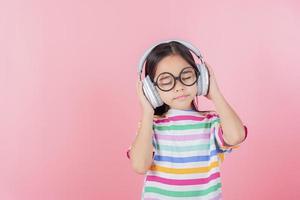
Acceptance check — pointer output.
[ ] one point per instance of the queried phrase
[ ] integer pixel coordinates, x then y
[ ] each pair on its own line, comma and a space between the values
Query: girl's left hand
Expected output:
213, 86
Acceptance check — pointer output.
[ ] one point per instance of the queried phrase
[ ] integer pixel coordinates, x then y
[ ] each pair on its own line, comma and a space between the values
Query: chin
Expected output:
182, 105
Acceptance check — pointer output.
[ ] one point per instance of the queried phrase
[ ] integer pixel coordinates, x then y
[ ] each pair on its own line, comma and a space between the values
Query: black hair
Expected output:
157, 54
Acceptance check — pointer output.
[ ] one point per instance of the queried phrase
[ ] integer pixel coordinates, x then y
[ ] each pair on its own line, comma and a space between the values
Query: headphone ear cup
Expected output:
203, 80
151, 93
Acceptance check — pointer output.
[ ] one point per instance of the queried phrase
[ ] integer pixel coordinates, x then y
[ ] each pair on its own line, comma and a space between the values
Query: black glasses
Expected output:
166, 81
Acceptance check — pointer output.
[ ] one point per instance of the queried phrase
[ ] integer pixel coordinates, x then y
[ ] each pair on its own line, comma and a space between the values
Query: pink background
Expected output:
68, 103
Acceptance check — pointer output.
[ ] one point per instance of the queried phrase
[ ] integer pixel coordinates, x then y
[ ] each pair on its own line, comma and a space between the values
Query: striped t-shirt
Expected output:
188, 151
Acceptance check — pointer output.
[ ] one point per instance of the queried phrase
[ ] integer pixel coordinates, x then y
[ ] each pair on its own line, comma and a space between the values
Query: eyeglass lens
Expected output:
166, 81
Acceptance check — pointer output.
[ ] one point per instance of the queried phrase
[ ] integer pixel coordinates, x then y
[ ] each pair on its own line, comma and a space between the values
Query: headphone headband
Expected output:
194, 49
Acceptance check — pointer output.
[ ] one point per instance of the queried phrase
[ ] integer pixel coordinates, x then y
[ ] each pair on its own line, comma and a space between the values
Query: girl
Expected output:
178, 147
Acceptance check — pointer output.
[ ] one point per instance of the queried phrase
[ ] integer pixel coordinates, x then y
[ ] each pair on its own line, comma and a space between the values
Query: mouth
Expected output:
181, 97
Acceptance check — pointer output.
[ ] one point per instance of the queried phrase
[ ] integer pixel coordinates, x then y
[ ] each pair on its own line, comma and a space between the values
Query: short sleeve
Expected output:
216, 130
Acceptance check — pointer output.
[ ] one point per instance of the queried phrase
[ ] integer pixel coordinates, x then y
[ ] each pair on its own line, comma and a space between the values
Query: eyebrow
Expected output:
173, 74
185, 72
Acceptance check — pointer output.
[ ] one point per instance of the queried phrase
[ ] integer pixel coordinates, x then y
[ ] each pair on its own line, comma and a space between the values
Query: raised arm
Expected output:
141, 152
234, 132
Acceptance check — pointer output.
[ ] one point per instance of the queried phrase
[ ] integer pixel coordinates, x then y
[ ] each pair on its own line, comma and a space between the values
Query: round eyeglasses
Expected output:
167, 81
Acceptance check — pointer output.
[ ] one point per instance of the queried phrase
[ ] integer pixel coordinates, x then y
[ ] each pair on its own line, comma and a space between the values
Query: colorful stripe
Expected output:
185, 159
189, 148
171, 193
179, 118
171, 148
184, 117
195, 170
184, 181
182, 137
184, 127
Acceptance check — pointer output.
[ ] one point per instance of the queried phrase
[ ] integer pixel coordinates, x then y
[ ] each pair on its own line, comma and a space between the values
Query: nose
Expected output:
178, 85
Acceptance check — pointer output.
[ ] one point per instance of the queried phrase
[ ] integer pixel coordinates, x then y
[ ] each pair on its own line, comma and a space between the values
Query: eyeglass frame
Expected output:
177, 78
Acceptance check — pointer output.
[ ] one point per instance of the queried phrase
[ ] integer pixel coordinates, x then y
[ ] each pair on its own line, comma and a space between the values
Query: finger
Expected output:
207, 65
139, 84
138, 87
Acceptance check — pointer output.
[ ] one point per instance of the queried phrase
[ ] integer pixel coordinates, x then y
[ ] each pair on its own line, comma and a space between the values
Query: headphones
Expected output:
148, 87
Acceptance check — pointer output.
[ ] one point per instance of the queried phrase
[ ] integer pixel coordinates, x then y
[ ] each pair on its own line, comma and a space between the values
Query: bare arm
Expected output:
232, 126
141, 153
233, 130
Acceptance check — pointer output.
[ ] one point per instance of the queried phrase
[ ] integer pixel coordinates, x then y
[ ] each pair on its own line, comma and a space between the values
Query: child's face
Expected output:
174, 64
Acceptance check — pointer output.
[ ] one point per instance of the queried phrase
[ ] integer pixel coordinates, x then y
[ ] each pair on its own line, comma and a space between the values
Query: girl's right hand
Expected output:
146, 106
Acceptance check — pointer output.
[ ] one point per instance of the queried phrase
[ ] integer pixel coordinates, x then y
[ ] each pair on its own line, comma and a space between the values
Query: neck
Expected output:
186, 109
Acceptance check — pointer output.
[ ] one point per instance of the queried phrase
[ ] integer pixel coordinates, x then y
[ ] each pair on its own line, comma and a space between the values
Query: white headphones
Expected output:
148, 87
